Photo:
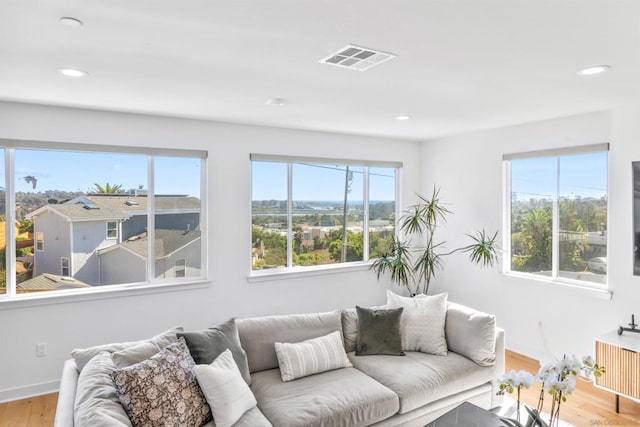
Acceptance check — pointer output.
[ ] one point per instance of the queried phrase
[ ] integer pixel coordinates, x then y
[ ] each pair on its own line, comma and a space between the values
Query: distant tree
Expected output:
107, 189
26, 225
297, 238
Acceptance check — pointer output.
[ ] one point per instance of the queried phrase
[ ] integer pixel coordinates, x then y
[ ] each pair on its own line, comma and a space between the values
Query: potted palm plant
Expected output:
414, 262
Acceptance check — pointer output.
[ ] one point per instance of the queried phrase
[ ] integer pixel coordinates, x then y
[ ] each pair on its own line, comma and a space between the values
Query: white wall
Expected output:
469, 170
79, 324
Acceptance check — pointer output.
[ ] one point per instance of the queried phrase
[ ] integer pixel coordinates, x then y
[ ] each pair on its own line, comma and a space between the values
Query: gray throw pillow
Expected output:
379, 332
205, 346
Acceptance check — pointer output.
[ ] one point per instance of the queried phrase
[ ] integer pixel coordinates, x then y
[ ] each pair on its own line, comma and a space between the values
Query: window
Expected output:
314, 212
39, 241
64, 263
112, 229
147, 201
557, 214
180, 267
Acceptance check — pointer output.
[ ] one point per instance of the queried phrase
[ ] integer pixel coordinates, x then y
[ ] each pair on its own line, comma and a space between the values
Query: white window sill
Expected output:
297, 272
104, 292
601, 292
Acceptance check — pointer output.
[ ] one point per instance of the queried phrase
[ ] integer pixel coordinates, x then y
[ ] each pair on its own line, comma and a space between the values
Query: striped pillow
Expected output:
312, 356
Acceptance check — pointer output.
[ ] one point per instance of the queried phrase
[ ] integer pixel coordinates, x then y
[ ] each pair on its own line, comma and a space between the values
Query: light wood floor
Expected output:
589, 406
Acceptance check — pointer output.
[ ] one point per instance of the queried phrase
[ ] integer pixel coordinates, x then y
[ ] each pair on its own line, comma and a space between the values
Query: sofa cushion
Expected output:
379, 332
252, 418
471, 333
422, 323
83, 355
227, 393
258, 335
297, 360
420, 378
333, 398
206, 345
349, 317
163, 389
144, 349
96, 400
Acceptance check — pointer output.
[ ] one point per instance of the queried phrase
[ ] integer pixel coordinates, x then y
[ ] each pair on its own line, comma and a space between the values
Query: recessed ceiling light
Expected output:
403, 117
72, 72
71, 22
276, 102
597, 69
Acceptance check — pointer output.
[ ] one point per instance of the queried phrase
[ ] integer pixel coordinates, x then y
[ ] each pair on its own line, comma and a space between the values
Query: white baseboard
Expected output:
29, 391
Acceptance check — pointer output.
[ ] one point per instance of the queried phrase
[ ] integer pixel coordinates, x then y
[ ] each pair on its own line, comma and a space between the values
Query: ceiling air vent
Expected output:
357, 58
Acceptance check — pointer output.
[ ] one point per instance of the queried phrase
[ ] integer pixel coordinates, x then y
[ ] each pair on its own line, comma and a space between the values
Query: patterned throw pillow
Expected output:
422, 323
312, 356
163, 390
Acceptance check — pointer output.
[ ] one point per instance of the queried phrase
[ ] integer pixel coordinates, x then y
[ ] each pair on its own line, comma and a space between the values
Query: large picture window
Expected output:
149, 201
315, 212
557, 213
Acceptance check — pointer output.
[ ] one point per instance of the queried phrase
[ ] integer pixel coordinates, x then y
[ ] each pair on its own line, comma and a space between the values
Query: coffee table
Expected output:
467, 415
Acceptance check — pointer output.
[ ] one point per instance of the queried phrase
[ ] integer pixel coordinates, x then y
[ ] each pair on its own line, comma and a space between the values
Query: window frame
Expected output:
182, 268
39, 241
114, 229
296, 271
151, 284
507, 207
62, 267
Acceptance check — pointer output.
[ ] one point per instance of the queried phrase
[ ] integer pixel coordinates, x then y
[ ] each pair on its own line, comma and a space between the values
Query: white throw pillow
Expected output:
422, 323
312, 356
227, 393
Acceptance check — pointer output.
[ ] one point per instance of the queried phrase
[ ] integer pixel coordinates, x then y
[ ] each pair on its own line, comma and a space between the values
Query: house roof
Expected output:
167, 242
117, 206
49, 282
133, 204
77, 211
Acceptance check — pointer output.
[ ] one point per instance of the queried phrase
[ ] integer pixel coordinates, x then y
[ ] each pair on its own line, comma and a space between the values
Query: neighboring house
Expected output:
49, 282
177, 254
68, 236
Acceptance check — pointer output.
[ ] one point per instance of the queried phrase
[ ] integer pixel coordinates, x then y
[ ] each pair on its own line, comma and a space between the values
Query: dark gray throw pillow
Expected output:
206, 345
379, 332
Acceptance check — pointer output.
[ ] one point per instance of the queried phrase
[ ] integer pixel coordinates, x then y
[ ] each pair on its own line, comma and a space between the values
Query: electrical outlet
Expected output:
41, 349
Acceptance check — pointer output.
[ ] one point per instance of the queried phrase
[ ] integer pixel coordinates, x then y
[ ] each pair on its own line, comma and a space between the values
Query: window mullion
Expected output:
289, 214
555, 226
365, 216
151, 221
10, 218
506, 220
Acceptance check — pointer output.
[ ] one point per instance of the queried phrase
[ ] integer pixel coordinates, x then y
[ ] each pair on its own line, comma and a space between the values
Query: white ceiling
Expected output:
462, 65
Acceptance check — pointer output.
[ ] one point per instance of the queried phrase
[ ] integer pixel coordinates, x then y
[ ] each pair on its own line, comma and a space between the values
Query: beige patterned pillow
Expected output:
163, 390
422, 323
311, 356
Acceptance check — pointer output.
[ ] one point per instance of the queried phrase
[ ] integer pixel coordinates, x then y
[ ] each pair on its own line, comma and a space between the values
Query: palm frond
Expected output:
484, 249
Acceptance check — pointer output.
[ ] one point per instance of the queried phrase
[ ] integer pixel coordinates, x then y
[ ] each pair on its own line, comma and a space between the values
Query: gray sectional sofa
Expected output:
378, 390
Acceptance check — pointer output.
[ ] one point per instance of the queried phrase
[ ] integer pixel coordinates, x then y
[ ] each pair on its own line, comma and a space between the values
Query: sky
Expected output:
320, 182
583, 175
79, 171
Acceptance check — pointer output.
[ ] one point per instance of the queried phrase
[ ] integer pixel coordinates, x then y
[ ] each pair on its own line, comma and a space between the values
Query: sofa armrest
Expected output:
498, 369
67, 395
471, 333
